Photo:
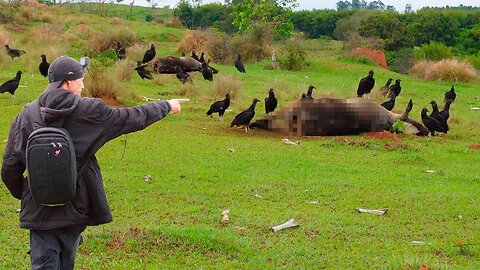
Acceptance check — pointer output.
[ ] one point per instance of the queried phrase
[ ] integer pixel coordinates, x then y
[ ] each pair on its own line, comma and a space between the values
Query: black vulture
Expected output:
239, 64
195, 56
220, 106
446, 109
207, 73
437, 116
431, 123
44, 65
149, 54
395, 89
450, 95
243, 119
142, 72
366, 84
202, 57
182, 76
304, 96
214, 70
270, 102
309, 92
389, 104
183, 54
11, 85
14, 52
384, 89
120, 50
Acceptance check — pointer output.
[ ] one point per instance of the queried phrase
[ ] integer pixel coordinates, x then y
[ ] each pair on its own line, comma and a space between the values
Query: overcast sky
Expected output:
331, 4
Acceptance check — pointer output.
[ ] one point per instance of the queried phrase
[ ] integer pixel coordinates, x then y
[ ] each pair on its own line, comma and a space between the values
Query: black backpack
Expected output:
51, 163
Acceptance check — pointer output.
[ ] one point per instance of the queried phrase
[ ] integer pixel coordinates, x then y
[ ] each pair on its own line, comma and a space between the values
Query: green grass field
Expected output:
172, 221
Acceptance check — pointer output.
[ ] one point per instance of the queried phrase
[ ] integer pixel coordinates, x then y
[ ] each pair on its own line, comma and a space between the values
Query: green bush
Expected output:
434, 51
402, 60
292, 56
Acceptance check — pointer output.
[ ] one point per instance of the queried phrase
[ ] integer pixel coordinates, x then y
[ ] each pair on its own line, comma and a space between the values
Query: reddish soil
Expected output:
374, 55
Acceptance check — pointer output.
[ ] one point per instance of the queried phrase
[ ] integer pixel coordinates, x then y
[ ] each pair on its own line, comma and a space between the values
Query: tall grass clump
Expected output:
100, 84
123, 70
227, 83
4, 37
108, 39
196, 40
450, 70
433, 51
189, 89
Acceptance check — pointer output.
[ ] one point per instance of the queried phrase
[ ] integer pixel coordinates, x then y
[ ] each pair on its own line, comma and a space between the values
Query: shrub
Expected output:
227, 83
401, 61
445, 70
99, 84
149, 17
174, 22
159, 21
472, 59
196, 40
434, 51
189, 89
123, 70
108, 39
292, 56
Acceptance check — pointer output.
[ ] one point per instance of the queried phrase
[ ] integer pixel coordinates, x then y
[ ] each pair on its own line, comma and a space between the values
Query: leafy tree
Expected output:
342, 5
274, 13
408, 8
434, 51
386, 26
184, 11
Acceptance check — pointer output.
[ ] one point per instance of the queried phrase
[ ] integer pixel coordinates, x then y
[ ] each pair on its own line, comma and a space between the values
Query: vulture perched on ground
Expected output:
450, 95
243, 119
389, 104
384, 89
366, 85
239, 64
395, 89
437, 116
44, 65
149, 54
207, 73
270, 102
220, 106
11, 86
446, 109
431, 123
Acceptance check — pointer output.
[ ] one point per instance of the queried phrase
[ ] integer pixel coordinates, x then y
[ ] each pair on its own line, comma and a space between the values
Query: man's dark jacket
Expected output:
91, 123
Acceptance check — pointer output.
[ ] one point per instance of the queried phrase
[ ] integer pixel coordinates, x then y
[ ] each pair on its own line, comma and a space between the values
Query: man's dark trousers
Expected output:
55, 249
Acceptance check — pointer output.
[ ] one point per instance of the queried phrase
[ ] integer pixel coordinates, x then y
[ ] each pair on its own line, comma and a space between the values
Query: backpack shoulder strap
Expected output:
33, 109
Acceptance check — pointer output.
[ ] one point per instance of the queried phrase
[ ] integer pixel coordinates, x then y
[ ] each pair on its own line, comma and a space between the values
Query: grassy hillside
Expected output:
172, 221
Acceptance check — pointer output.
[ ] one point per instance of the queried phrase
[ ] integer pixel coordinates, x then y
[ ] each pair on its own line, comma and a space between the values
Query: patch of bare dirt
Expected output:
374, 55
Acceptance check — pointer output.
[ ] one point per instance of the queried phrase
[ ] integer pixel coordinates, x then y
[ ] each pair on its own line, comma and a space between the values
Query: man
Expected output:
55, 231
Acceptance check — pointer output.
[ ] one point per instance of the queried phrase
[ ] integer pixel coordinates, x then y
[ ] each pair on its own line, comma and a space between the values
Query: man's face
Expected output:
76, 86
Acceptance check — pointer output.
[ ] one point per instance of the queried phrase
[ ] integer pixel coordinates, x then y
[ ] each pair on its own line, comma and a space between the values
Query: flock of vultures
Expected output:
308, 116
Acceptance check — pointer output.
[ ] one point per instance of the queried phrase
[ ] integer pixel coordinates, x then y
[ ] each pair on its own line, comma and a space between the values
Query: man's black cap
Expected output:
64, 69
